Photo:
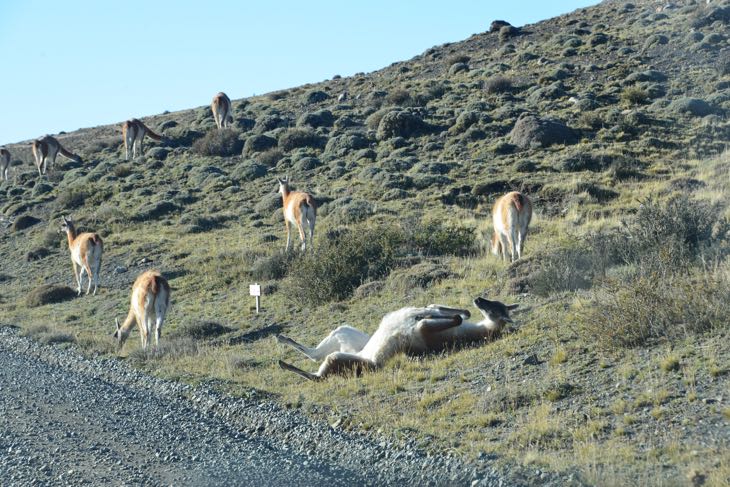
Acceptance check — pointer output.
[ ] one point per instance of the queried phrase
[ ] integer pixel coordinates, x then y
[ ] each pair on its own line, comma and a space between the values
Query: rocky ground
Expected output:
74, 421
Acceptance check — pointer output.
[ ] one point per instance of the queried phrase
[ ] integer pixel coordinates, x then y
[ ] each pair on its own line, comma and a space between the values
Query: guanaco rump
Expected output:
46, 149
299, 209
408, 330
133, 132
221, 107
4, 163
150, 298
511, 216
86, 249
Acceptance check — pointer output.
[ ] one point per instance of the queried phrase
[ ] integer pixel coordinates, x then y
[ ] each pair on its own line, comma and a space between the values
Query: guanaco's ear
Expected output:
63, 218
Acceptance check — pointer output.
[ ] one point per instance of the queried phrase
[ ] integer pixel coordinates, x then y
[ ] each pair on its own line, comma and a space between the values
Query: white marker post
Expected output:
255, 290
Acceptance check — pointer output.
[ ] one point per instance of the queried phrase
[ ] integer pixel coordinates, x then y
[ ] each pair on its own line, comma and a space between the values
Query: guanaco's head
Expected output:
121, 335
283, 184
67, 225
496, 312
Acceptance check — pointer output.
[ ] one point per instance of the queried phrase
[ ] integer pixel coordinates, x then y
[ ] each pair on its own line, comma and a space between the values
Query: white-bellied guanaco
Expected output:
409, 330
511, 216
221, 108
45, 151
86, 249
299, 209
4, 163
133, 133
150, 300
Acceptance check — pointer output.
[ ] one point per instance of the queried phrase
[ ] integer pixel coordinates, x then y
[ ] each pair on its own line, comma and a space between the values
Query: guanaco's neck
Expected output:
71, 235
285, 192
128, 321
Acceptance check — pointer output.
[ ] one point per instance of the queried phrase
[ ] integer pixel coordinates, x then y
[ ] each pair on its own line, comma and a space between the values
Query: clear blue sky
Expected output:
72, 64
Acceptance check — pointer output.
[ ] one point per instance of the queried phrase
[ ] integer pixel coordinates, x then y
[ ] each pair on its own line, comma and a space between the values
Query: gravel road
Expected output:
70, 420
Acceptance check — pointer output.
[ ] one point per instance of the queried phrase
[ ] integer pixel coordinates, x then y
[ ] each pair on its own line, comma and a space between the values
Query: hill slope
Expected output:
610, 118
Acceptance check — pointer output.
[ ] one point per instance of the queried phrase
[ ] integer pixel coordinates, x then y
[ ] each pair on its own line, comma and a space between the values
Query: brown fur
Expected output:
48, 146
136, 131
221, 108
86, 251
147, 289
293, 204
511, 216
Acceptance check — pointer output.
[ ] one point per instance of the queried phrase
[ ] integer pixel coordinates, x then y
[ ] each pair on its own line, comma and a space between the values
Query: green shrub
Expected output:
341, 263
498, 84
634, 95
200, 329
457, 58
436, 238
224, 143
275, 266
298, 138
656, 307
399, 97
47, 294
667, 238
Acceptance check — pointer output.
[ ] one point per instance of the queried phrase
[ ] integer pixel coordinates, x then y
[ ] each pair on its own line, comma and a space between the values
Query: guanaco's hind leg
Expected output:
434, 325
335, 363
78, 278
342, 339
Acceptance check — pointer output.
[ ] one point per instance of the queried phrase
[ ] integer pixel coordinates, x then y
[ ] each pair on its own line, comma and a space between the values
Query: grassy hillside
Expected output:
613, 119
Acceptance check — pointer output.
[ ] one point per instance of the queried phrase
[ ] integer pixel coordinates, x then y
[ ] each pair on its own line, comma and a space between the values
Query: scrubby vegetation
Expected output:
613, 119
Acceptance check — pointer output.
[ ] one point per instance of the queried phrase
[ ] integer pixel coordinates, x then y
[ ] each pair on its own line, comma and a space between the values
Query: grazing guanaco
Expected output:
299, 209
46, 149
408, 330
133, 132
4, 163
221, 107
511, 216
86, 249
150, 298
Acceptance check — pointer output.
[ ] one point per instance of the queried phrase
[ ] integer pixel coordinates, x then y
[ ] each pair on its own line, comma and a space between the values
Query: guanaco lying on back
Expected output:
86, 249
4, 163
299, 209
46, 149
408, 330
221, 107
133, 132
150, 300
511, 216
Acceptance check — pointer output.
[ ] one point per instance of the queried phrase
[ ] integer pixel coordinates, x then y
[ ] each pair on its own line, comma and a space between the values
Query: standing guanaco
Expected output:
299, 209
46, 149
511, 216
133, 132
221, 107
409, 330
86, 249
150, 297
4, 163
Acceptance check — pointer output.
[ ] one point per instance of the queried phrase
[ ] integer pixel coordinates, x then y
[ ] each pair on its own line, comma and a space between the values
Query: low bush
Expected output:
342, 263
224, 143
498, 84
634, 95
299, 138
436, 238
47, 294
656, 307
201, 329
275, 266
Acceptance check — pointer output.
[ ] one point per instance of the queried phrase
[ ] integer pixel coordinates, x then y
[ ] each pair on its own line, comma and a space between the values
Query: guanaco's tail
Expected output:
519, 201
67, 154
309, 201
151, 134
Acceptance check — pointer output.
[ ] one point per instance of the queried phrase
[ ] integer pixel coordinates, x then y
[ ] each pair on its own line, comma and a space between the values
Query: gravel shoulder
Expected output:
68, 419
